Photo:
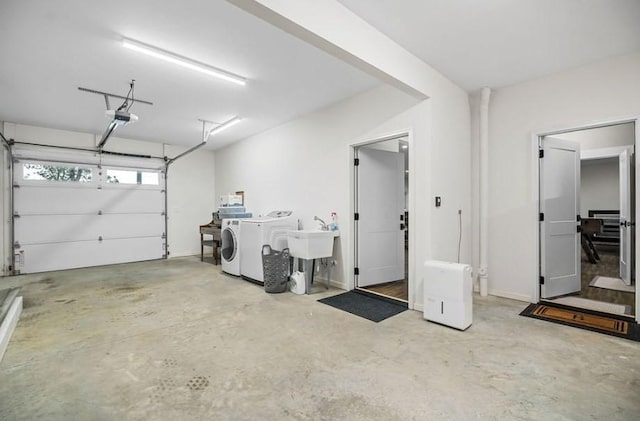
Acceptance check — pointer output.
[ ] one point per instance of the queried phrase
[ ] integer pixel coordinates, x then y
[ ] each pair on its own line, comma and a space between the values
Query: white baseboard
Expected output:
339, 285
9, 324
336, 284
510, 295
186, 254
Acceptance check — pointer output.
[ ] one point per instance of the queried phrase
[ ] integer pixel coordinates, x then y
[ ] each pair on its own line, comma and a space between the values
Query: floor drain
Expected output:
198, 383
166, 384
169, 362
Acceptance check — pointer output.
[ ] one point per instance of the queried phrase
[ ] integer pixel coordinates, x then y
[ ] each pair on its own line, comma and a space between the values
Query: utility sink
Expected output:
311, 244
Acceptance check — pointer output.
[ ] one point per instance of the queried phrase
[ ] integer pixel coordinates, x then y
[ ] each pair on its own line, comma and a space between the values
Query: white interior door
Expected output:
381, 225
625, 216
560, 206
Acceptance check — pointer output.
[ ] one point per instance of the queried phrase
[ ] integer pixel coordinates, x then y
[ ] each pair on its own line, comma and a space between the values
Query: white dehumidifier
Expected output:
448, 294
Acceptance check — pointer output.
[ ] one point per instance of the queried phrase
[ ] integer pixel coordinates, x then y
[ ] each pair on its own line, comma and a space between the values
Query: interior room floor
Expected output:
395, 289
609, 265
177, 339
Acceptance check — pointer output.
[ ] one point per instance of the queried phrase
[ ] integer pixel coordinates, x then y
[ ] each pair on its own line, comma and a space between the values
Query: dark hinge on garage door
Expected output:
356, 216
541, 153
542, 280
356, 271
541, 217
356, 162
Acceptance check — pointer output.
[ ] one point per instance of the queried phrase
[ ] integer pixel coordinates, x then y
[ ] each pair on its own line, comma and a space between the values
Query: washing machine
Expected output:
230, 250
256, 232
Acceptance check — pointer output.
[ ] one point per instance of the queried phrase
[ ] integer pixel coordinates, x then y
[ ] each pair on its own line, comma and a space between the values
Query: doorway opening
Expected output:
587, 210
382, 217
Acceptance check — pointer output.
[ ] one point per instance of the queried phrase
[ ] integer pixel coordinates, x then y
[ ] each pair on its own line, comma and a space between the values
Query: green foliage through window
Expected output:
52, 172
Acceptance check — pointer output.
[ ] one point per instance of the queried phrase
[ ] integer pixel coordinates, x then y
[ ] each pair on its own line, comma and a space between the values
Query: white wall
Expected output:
439, 165
603, 90
305, 165
441, 126
191, 196
599, 185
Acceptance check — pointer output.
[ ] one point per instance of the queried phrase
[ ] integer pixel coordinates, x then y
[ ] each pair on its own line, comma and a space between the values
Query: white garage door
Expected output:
69, 215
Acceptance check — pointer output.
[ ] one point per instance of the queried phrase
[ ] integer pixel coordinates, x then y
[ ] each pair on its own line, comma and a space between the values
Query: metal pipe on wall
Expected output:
73, 148
484, 191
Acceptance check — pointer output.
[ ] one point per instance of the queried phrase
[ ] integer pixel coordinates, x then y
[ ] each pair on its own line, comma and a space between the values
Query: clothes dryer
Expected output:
256, 232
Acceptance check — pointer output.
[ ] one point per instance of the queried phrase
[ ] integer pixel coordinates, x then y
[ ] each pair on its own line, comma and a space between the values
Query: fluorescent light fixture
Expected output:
183, 61
405, 146
223, 126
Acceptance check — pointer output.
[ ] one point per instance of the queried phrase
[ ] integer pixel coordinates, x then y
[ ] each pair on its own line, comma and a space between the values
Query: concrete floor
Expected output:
177, 340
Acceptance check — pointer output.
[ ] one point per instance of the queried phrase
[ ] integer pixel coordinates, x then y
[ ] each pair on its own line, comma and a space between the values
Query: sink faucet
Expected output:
324, 225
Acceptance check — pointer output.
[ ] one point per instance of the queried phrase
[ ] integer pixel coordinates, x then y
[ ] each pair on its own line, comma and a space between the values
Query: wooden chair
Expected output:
589, 228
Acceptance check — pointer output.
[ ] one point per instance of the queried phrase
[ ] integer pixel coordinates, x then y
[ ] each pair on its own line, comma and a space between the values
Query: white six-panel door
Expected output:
560, 251
626, 217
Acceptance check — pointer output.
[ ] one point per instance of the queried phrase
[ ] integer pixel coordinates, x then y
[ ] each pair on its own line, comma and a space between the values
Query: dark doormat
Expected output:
620, 326
364, 305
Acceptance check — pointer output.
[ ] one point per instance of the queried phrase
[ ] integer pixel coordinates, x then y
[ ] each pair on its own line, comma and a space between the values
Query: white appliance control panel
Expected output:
279, 214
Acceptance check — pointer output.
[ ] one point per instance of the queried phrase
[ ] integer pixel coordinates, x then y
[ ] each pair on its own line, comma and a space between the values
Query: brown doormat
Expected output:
620, 326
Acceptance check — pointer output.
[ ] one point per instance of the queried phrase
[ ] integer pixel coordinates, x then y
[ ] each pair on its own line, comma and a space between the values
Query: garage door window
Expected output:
132, 177
57, 172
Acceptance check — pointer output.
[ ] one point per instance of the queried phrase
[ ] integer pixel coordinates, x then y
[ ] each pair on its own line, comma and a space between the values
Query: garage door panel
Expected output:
130, 201
35, 229
46, 257
55, 200
131, 225
69, 201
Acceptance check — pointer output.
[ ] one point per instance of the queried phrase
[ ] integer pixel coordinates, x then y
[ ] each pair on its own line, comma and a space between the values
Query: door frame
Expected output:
411, 275
536, 137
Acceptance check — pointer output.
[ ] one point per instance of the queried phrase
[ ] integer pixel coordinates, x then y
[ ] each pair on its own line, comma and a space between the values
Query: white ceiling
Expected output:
50, 48
496, 43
